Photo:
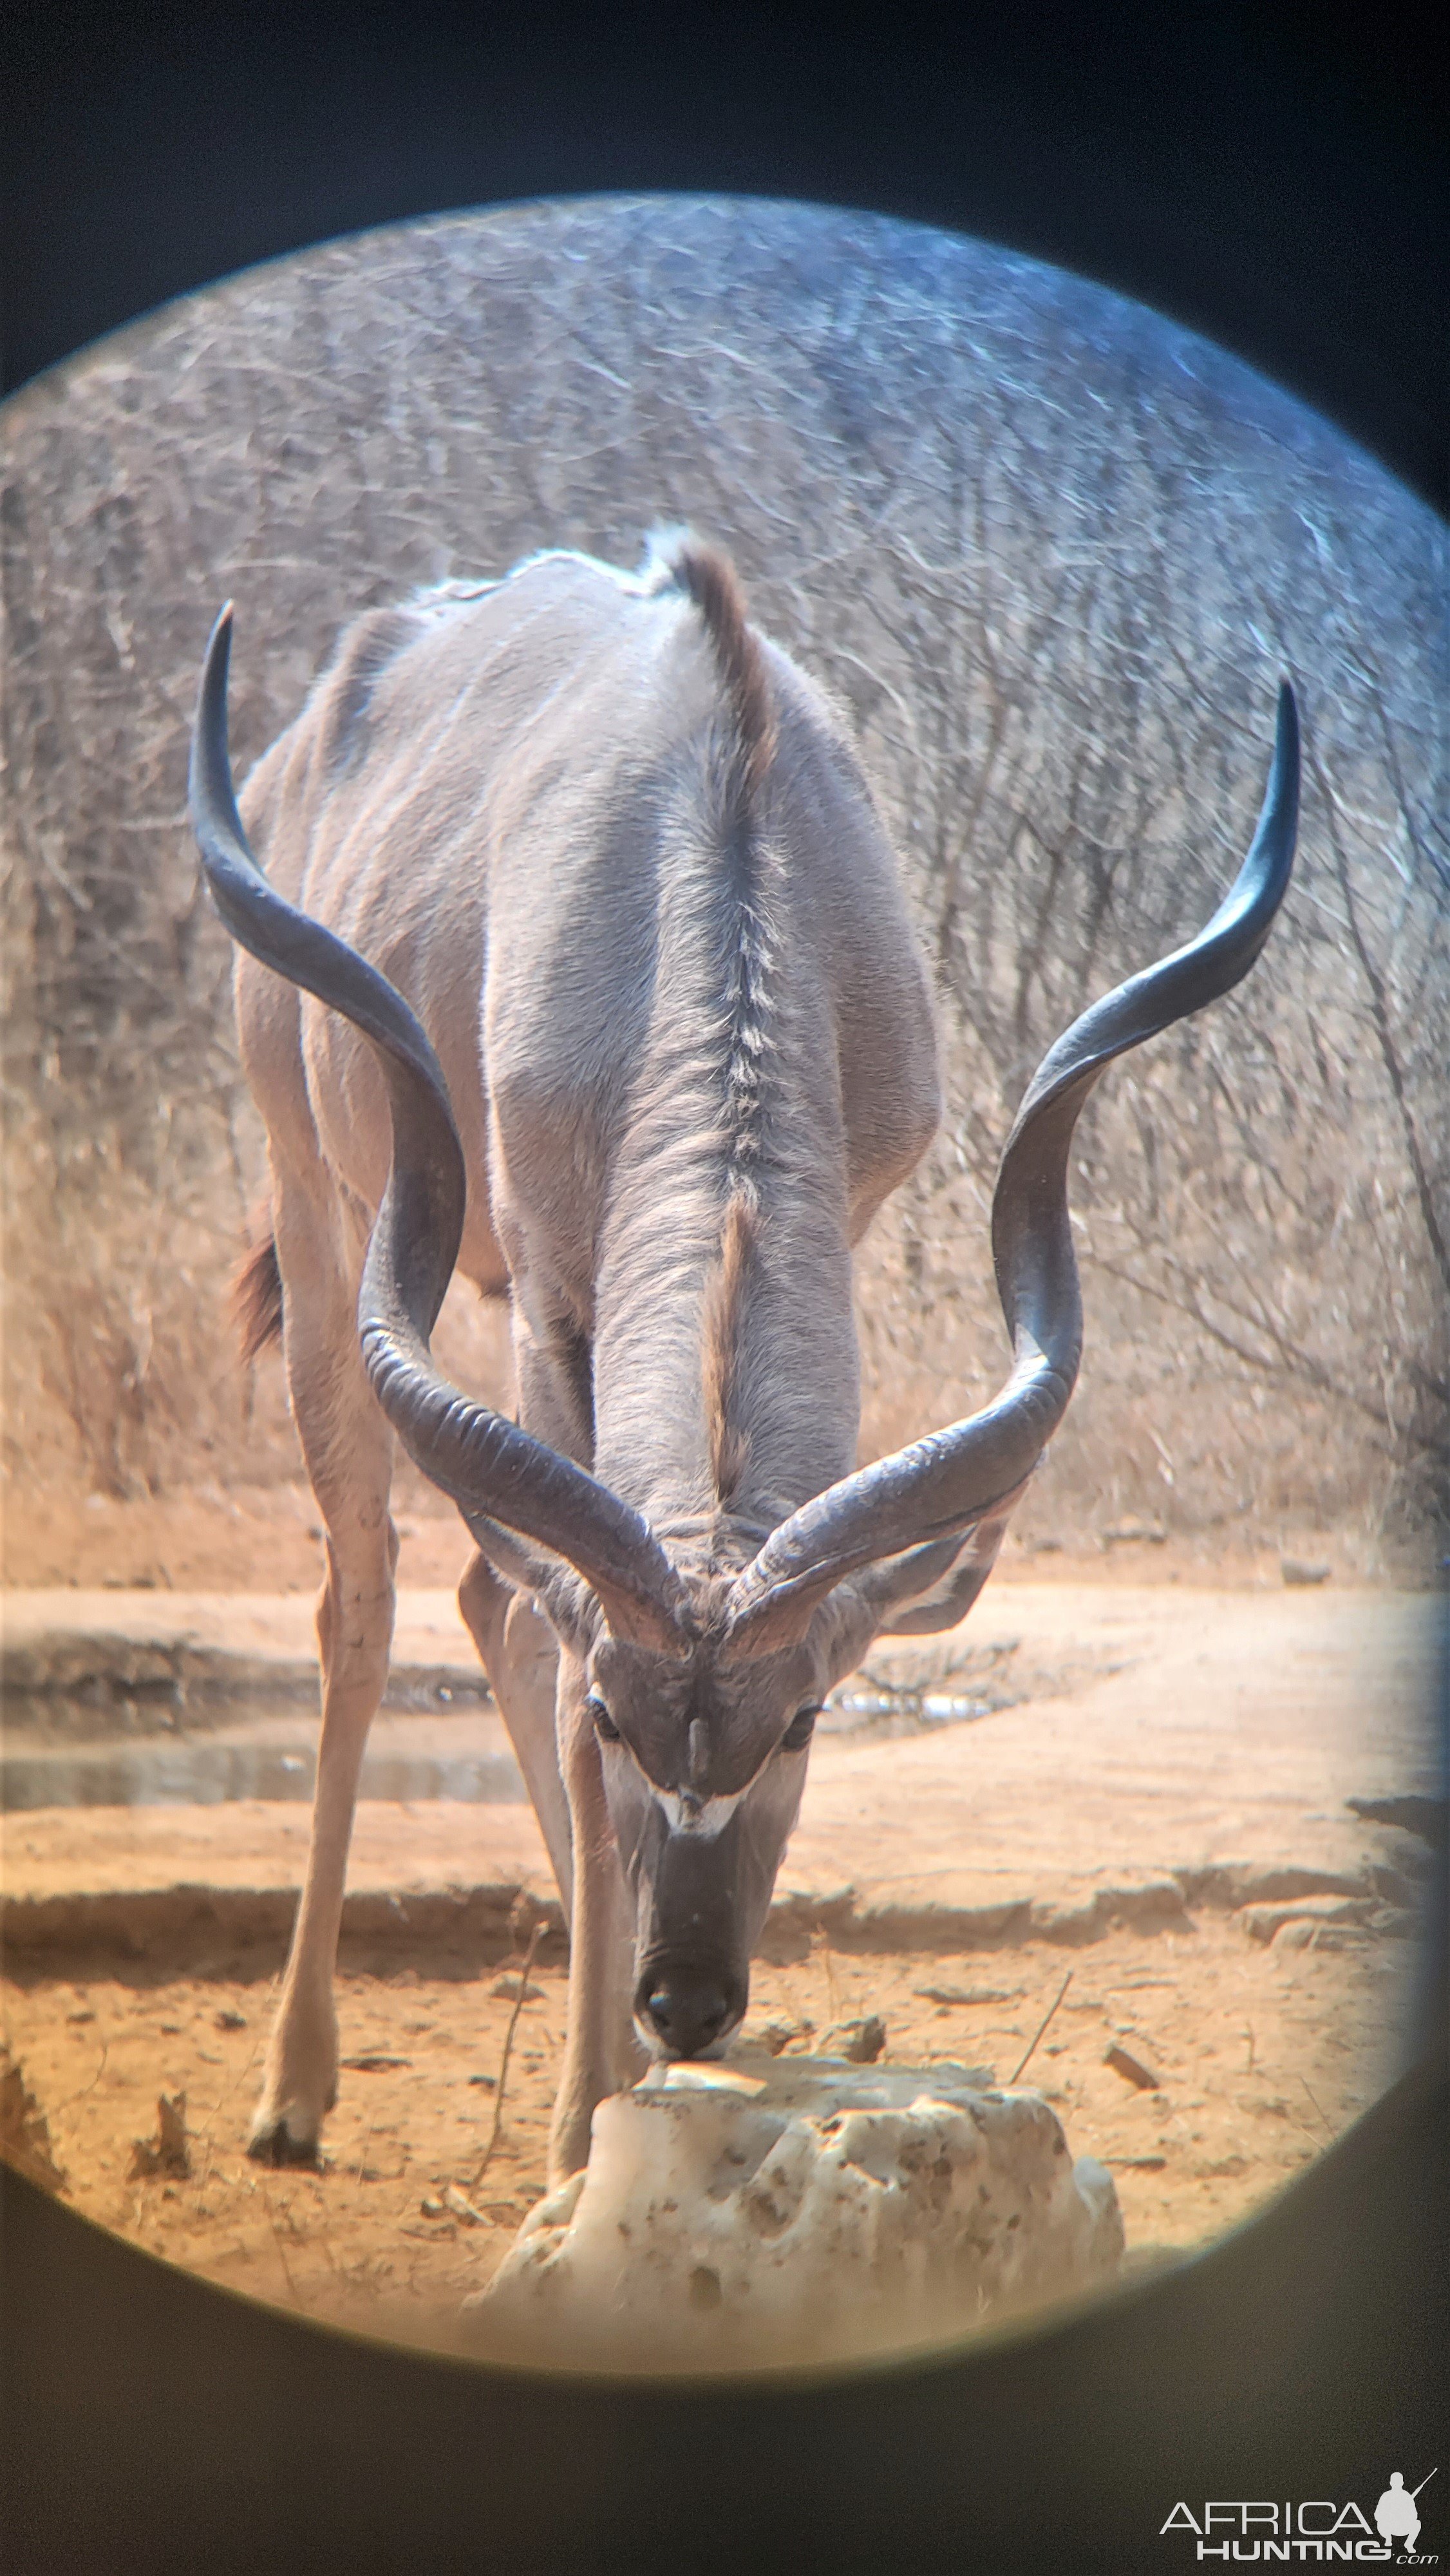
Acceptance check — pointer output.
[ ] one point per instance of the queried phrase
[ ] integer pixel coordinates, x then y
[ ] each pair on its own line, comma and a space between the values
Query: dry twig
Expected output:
1040, 2032
1304, 2080
503, 2064
277, 2241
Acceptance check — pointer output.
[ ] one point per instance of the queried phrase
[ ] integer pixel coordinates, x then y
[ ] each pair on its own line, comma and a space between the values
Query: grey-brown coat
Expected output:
667, 1044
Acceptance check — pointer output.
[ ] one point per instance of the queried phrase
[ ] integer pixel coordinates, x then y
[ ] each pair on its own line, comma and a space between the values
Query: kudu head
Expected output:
696, 1690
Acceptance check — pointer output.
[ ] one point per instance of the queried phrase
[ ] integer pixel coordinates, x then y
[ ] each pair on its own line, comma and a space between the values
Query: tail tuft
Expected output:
707, 576
257, 1299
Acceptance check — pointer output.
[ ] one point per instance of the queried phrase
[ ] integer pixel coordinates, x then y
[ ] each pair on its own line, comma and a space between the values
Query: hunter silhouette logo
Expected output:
1317, 2531
1396, 2514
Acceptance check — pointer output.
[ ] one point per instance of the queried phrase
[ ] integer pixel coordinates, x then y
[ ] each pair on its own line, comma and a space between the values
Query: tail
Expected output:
257, 1299
680, 561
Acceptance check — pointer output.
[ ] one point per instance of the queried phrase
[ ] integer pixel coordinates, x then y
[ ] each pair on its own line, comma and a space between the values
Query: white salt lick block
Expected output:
799, 2210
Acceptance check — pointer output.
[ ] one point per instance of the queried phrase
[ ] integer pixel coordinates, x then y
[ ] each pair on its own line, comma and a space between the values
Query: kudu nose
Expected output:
687, 2008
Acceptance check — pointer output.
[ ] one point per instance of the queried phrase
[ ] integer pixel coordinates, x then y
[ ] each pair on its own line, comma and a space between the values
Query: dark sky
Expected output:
1265, 176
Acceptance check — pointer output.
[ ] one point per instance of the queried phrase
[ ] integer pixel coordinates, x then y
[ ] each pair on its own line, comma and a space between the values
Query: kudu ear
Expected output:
562, 1595
917, 1594
911, 1595
572, 1605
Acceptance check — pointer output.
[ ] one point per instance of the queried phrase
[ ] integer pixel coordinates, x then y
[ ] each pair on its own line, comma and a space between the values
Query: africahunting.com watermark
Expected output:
1316, 2531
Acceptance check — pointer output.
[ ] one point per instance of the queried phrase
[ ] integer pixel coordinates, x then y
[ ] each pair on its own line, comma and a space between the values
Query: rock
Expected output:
1412, 1813
1262, 1922
1264, 1886
460, 2207
1131, 2068
859, 2042
1394, 1886
789, 2210
1148, 1905
1240, 1883
773, 2036
1127, 1533
940, 1912
1296, 1572
1334, 1928
968, 1994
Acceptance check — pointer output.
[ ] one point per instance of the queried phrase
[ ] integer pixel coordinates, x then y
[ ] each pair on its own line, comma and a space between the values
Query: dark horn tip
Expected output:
211, 797
1284, 774
1286, 730
217, 658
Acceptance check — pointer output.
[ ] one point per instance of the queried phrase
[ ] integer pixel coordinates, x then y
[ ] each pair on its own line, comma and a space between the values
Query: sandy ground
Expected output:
1179, 1763
1262, 2056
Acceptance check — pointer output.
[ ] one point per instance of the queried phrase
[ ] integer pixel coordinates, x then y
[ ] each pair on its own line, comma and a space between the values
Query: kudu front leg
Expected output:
601, 2052
520, 1654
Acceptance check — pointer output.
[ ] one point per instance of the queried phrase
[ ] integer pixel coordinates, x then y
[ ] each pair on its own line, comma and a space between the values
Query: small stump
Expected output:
169, 2152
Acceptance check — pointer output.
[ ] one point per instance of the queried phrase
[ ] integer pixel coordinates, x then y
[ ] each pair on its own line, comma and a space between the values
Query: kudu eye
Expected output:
800, 1730
601, 1721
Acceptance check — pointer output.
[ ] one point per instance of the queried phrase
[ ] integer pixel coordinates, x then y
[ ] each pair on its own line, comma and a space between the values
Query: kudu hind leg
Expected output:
348, 1449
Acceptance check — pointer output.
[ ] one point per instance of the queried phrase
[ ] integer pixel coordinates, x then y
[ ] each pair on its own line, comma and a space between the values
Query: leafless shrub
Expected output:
1049, 551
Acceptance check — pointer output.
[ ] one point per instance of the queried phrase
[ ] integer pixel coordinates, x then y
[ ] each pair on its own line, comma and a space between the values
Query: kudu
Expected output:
667, 1045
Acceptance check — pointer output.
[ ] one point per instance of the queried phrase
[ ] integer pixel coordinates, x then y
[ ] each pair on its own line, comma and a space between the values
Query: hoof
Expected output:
273, 2144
